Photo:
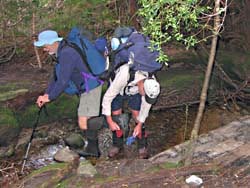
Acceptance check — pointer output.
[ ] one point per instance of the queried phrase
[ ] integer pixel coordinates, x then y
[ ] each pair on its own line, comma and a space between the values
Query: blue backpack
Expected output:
92, 56
144, 58
137, 45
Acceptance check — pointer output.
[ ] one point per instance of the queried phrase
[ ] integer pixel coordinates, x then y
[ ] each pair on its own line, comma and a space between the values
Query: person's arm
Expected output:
144, 110
66, 61
118, 84
143, 114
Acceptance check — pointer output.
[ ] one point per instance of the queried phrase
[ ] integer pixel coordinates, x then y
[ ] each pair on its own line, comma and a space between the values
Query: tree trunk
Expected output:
34, 39
132, 13
203, 97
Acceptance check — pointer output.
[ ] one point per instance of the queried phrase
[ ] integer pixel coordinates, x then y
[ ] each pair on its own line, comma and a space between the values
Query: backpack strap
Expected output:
86, 76
151, 74
131, 75
80, 52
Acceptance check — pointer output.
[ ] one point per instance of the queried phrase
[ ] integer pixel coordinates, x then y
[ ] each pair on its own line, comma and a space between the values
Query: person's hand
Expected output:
42, 99
137, 130
112, 125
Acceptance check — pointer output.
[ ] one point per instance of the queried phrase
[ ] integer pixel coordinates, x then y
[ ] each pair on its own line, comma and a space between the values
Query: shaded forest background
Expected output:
22, 20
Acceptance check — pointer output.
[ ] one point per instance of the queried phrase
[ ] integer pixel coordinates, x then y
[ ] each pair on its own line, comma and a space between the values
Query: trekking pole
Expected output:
32, 135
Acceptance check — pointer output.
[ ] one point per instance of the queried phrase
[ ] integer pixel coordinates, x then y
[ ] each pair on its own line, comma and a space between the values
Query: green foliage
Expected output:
172, 20
17, 19
91, 14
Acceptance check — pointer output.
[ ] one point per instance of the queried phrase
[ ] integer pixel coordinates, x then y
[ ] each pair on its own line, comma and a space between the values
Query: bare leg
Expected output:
82, 122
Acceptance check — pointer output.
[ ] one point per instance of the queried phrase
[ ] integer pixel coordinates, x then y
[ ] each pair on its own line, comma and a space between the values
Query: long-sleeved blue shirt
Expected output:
71, 67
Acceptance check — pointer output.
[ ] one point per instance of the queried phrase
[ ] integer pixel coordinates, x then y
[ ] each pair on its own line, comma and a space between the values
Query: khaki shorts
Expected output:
90, 103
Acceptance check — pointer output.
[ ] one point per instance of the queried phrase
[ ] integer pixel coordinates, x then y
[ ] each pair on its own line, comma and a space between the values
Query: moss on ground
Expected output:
12, 94
235, 65
7, 118
8, 87
51, 167
63, 107
169, 165
180, 80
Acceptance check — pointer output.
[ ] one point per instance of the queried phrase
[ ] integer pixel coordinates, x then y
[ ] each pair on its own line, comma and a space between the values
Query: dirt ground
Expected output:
235, 174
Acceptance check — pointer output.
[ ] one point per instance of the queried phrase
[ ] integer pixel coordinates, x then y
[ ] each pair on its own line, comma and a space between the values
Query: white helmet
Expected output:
152, 90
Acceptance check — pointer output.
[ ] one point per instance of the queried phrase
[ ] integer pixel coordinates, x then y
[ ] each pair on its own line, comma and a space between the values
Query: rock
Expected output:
75, 140
209, 146
66, 155
8, 134
86, 169
221, 148
123, 167
194, 180
7, 151
49, 176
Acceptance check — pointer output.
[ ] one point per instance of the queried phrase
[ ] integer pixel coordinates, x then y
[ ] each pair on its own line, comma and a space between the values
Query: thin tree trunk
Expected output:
203, 97
34, 39
132, 13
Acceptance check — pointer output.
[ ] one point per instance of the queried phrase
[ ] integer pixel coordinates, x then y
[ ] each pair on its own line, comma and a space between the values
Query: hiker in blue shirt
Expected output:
71, 69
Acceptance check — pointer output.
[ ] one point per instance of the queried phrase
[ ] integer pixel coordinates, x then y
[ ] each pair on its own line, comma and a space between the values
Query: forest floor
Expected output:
234, 173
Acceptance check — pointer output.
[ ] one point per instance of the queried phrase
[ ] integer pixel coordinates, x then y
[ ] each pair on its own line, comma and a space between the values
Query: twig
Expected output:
4, 60
36, 51
156, 108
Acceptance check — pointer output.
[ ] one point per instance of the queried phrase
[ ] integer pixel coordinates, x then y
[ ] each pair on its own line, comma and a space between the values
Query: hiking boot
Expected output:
113, 151
92, 149
143, 153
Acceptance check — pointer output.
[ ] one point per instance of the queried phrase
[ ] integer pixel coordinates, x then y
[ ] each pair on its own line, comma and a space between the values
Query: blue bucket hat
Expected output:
47, 37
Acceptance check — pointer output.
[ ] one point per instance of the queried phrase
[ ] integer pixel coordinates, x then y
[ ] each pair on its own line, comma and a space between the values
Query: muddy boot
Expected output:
92, 149
118, 136
117, 144
142, 144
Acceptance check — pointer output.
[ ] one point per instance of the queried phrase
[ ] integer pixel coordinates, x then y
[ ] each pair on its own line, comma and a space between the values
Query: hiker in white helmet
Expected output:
141, 90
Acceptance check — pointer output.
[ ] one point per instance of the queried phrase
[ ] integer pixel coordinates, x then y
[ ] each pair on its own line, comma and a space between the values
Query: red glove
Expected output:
119, 133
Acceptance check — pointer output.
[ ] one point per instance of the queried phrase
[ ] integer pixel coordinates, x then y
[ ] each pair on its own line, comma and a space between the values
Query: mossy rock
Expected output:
74, 140
48, 176
9, 128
